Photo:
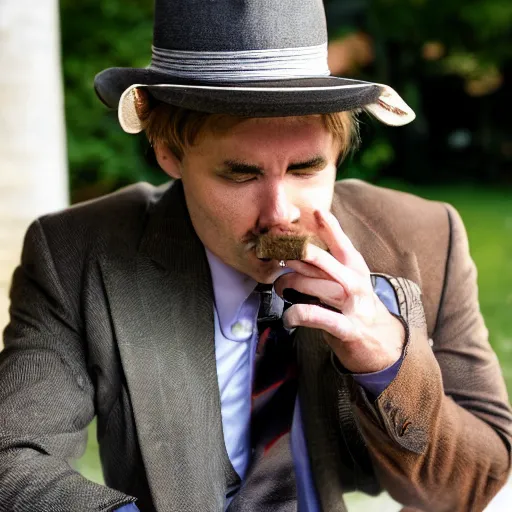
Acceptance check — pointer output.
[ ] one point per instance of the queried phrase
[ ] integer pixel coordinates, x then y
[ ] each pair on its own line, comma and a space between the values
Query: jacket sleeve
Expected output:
440, 434
46, 395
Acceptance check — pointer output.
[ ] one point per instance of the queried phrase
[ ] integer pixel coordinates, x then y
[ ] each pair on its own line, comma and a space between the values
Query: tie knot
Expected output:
265, 291
271, 305
262, 287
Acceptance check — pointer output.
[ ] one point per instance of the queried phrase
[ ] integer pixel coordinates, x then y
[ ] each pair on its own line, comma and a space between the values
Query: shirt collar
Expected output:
231, 289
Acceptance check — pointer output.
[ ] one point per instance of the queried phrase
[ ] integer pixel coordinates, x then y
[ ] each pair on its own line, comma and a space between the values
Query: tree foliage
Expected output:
451, 61
97, 35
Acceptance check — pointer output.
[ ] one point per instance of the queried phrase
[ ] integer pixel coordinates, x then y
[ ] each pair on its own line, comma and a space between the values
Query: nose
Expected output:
277, 208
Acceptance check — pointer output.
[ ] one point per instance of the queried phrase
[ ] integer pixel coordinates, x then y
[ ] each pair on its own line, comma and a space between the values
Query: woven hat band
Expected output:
309, 61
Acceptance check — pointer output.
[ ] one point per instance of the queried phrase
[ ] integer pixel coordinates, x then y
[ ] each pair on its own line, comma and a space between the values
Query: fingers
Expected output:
342, 274
339, 244
306, 269
316, 317
327, 291
343, 266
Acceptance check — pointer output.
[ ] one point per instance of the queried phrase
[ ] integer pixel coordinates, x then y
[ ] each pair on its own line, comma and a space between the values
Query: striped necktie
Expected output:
270, 484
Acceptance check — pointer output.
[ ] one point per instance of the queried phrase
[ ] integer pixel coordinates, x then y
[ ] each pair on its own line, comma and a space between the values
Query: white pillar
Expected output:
33, 169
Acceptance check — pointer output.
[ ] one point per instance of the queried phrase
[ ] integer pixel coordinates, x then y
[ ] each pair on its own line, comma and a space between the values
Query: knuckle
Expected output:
291, 317
303, 313
339, 295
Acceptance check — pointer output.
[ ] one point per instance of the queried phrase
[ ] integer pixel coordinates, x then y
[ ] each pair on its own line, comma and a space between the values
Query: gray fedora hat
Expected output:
255, 58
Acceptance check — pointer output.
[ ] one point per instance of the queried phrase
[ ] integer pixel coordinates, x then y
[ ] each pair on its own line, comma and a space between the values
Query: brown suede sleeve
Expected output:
439, 435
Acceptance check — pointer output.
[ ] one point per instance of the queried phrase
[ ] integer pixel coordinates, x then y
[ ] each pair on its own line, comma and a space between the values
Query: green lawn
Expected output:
488, 218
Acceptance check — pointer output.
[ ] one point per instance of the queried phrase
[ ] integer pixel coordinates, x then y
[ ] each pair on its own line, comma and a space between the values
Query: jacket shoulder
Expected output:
118, 216
79, 236
407, 222
399, 234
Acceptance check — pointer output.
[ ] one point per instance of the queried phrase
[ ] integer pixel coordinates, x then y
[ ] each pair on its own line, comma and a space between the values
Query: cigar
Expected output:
285, 247
289, 247
282, 247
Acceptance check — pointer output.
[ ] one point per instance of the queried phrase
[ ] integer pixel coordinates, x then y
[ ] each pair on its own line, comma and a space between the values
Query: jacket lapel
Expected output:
162, 311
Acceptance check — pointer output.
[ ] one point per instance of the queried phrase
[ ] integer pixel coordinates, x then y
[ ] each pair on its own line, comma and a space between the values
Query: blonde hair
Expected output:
178, 128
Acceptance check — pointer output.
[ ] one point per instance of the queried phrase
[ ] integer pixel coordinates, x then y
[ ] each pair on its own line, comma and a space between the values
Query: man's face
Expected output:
259, 176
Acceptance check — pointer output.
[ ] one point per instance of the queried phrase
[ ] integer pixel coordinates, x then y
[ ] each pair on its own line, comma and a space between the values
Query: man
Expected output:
151, 309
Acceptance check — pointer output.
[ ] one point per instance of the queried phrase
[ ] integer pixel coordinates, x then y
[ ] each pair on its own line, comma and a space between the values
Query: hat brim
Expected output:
270, 98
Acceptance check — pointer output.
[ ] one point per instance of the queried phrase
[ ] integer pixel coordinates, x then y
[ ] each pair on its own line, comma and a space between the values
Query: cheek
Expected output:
317, 194
228, 203
237, 213
230, 211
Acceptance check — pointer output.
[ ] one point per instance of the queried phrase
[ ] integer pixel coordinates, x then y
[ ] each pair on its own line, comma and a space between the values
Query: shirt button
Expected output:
242, 329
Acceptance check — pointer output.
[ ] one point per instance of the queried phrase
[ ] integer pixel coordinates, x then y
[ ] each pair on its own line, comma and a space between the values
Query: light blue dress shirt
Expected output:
236, 308
236, 335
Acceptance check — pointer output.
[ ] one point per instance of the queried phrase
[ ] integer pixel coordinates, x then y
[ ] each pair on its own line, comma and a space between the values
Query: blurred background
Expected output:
451, 60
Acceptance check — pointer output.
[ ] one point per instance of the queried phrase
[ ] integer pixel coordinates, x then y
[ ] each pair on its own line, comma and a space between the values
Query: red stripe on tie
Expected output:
275, 440
290, 374
262, 340
270, 388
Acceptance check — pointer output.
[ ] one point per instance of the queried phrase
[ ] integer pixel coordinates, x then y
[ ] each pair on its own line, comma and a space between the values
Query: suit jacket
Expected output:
112, 314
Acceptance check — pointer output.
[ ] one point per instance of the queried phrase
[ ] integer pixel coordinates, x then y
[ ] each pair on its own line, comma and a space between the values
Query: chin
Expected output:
265, 272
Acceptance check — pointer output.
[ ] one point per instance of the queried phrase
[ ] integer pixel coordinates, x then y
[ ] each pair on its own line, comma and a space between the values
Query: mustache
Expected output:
252, 240
283, 245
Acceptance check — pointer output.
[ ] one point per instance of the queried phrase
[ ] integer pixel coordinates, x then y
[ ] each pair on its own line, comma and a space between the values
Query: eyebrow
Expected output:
235, 167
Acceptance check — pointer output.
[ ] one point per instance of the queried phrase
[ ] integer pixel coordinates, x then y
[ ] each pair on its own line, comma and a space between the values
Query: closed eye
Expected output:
241, 172
316, 163
306, 173
239, 178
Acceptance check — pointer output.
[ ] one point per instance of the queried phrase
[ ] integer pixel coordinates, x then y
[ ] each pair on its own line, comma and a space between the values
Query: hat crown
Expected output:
238, 25
249, 58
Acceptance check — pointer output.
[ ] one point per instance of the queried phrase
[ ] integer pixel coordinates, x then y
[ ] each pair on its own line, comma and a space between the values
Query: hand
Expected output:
364, 335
